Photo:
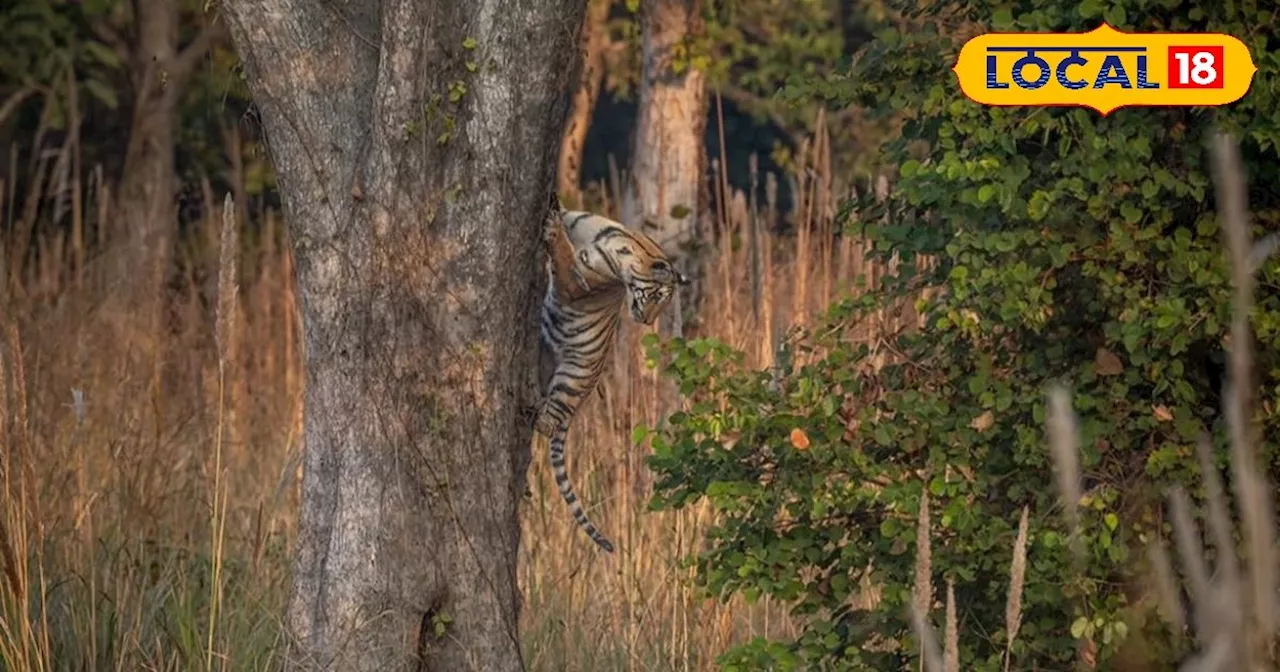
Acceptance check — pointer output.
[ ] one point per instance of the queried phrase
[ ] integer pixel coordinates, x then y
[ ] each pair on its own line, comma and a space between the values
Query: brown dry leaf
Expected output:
983, 422
1089, 654
1162, 413
799, 439
1106, 363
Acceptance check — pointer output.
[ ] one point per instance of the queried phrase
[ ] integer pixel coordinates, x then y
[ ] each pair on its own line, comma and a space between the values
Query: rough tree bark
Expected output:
668, 159
595, 39
415, 143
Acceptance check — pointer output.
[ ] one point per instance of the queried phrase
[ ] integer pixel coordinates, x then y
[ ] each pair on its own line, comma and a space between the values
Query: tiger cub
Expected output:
594, 265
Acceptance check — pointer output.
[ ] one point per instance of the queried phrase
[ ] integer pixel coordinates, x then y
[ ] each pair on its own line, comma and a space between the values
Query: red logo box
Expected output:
1195, 67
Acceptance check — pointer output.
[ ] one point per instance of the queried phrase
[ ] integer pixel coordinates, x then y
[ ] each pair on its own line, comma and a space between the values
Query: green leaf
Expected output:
1002, 18
102, 53
1115, 16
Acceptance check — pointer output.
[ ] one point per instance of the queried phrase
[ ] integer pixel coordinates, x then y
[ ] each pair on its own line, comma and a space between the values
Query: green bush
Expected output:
1071, 248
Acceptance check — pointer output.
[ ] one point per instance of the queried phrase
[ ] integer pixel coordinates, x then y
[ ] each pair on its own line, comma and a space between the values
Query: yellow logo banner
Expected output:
1104, 69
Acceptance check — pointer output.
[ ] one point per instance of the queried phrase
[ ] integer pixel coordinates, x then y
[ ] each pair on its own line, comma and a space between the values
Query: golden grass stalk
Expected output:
1194, 564
224, 326
922, 595
930, 653
952, 636
24, 642
1063, 445
1017, 577
1234, 626
7, 555
1256, 513
1166, 586
228, 285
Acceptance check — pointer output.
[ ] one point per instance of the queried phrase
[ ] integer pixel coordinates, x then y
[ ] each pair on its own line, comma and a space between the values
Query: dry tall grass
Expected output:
151, 466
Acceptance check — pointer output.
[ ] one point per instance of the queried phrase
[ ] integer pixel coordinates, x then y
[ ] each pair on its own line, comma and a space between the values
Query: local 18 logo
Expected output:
1104, 69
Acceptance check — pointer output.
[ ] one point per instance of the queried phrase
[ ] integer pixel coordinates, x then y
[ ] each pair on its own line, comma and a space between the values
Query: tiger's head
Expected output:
639, 263
651, 289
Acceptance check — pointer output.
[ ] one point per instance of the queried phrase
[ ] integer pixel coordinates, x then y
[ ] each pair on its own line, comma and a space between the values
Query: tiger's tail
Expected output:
566, 488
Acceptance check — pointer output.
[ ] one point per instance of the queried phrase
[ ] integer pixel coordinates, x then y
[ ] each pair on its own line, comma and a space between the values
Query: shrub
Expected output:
1071, 248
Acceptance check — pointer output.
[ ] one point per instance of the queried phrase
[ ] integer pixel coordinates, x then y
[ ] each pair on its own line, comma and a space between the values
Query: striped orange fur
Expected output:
594, 265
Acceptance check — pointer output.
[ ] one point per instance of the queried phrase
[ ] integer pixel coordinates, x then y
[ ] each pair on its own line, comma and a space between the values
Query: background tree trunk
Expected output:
665, 191
595, 39
415, 143
159, 73
669, 158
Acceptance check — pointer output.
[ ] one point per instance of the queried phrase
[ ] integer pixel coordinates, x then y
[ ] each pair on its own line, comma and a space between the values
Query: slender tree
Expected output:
669, 157
415, 143
159, 70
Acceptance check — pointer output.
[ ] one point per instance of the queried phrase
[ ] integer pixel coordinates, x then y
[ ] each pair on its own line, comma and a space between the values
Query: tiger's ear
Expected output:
680, 278
555, 205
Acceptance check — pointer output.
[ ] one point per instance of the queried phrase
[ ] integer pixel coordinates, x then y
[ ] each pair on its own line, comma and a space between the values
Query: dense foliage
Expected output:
1071, 248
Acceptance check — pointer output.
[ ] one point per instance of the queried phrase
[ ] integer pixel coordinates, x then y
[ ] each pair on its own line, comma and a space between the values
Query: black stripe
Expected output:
597, 345
579, 329
567, 390
613, 265
608, 232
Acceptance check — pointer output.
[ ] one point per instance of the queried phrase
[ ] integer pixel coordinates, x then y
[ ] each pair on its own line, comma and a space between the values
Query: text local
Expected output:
1112, 71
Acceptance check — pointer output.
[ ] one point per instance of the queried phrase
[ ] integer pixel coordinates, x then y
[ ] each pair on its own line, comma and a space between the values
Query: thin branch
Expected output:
14, 100
181, 66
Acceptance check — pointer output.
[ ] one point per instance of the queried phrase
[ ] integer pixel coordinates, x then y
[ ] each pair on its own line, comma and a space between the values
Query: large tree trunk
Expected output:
415, 143
665, 194
595, 39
